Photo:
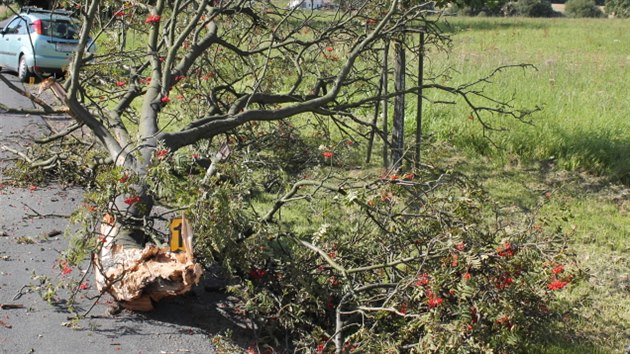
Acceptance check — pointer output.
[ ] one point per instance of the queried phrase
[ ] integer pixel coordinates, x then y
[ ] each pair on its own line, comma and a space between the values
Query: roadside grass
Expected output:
5, 12
598, 309
576, 148
582, 81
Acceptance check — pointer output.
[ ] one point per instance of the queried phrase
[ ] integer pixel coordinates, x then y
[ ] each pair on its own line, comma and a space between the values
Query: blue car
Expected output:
39, 41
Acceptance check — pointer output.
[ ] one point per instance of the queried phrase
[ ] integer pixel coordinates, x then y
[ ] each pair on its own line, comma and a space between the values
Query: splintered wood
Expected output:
138, 277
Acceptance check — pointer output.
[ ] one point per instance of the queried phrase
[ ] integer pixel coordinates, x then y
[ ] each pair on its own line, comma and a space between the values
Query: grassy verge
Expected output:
5, 12
596, 212
582, 81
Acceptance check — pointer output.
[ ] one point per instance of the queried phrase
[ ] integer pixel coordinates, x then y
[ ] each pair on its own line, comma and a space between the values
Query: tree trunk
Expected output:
419, 105
382, 91
398, 131
131, 211
385, 106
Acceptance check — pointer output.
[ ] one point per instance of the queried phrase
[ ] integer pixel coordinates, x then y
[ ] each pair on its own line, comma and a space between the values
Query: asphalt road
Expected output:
185, 324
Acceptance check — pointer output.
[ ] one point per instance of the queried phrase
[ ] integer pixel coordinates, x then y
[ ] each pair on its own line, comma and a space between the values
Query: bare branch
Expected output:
34, 99
59, 135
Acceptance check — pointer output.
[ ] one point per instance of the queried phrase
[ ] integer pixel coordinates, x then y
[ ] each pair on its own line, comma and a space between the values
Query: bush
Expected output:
477, 8
618, 8
534, 8
466, 11
451, 10
582, 8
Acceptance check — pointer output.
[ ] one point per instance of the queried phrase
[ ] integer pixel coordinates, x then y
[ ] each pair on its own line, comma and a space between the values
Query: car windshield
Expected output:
60, 29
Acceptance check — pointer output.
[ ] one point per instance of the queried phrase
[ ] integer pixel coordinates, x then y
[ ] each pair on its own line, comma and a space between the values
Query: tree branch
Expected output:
222, 124
34, 99
59, 135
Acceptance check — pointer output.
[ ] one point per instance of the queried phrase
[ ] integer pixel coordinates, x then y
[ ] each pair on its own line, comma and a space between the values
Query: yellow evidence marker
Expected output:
176, 241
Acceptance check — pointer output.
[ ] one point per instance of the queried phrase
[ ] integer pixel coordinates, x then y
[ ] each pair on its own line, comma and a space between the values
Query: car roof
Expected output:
36, 13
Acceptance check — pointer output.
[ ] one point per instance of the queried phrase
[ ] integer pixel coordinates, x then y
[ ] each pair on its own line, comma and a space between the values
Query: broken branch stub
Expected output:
139, 277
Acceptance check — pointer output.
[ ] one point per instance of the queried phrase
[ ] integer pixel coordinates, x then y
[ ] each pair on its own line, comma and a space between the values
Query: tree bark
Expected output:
385, 106
419, 104
382, 91
398, 131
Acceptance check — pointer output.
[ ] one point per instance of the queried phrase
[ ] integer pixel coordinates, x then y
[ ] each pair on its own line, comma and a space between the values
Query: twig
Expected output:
11, 306
221, 155
324, 255
40, 215
19, 153
21, 292
26, 111
45, 164
59, 135
388, 309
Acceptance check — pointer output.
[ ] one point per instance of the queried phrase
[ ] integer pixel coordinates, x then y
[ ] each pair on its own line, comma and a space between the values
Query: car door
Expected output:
13, 39
5, 40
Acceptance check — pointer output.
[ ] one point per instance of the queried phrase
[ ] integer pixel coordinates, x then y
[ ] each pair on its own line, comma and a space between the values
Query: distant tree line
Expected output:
44, 4
618, 8
539, 8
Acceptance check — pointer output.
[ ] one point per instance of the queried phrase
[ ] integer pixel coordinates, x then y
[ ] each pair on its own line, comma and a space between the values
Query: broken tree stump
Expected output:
138, 277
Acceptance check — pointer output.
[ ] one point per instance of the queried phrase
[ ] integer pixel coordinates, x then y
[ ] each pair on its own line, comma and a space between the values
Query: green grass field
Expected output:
582, 81
578, 148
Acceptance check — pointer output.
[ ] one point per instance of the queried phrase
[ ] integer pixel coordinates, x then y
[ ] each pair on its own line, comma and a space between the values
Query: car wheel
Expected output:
23, 73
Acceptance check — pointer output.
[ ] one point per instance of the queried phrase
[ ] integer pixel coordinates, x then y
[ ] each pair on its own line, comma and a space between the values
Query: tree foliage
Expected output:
475, 7
530, 8
525, 8
321, 261
582, 8
391, 264
188, 72
618, 8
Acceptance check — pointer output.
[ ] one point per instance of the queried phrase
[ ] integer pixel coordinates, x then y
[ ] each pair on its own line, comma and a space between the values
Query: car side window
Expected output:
15, 26
21, 29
